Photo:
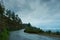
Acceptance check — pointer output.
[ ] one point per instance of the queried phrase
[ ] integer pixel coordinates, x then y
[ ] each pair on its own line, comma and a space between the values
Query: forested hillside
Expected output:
9, 21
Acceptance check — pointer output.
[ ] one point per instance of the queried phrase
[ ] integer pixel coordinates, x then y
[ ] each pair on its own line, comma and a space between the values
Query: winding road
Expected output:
21, 35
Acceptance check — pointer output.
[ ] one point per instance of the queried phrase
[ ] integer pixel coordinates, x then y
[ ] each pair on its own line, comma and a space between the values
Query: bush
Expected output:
31, 29
48, 31
58, 33
4, 34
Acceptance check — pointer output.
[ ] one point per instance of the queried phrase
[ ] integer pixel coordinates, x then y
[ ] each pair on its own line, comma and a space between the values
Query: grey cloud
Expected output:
17, 5
45, 0
36, 11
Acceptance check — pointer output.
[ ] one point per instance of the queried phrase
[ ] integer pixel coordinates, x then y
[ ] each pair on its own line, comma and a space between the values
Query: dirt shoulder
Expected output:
50, 35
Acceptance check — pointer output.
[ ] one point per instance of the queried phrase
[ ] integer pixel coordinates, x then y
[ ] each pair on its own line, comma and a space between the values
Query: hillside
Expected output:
9, 21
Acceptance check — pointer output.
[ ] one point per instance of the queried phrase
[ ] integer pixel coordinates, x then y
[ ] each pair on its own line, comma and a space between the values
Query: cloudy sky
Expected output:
44, 14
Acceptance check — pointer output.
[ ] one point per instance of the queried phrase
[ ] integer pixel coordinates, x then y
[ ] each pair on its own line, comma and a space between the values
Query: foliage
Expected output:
8, 22
1, 9
8, 13
49, 31
31, 29
4, 34
57, 33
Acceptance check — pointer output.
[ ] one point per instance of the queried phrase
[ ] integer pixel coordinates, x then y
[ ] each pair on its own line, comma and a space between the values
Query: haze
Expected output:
44, 14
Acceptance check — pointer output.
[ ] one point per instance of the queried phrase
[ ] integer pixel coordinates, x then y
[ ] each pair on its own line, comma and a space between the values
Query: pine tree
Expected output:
19, 21
16, 18
13, 15
8, 13
2, 9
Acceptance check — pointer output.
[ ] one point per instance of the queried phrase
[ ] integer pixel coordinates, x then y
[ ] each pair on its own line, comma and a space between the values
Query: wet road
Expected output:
21, 35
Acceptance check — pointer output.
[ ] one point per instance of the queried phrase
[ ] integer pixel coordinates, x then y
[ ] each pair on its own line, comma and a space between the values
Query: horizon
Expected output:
44, 14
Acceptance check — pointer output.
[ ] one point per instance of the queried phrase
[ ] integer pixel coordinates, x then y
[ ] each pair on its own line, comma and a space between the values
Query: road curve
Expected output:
20, 35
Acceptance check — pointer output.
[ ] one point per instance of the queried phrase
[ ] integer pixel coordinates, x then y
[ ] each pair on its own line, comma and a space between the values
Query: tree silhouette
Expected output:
17, 18
13, 15
49, 31
8, 13
29, 24
2, 9
58, 33
19, 21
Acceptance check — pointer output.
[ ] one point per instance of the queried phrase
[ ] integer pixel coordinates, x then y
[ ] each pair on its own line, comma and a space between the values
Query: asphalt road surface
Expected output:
21, 35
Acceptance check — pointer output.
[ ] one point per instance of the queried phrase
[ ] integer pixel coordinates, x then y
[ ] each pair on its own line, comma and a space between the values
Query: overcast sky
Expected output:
40, 13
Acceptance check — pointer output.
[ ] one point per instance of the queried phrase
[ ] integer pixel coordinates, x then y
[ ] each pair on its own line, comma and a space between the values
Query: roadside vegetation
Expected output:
34, 30
30, 29
9, 21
